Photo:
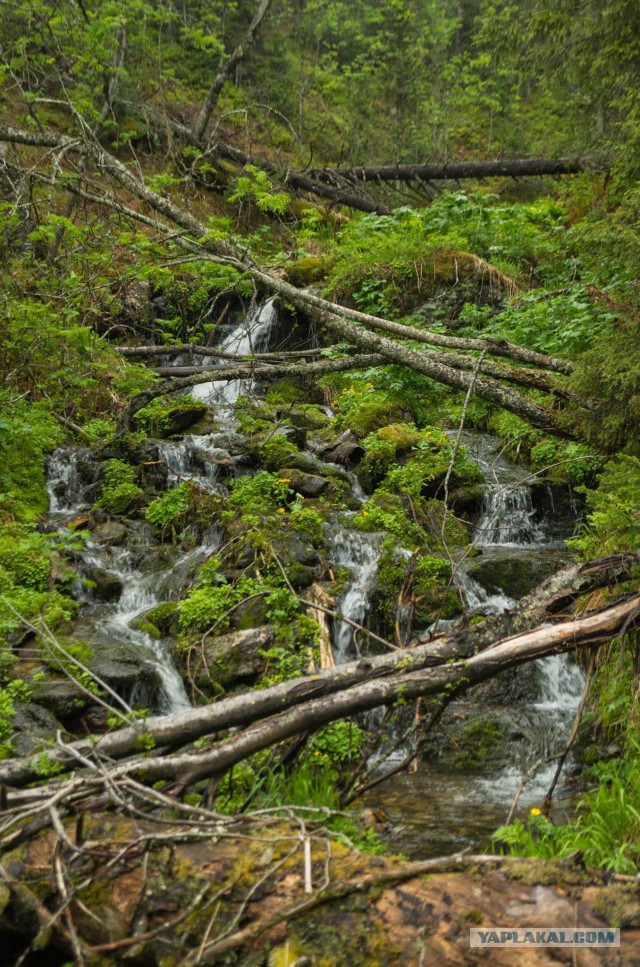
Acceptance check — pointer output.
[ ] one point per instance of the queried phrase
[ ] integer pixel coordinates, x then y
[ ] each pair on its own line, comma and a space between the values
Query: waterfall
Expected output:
139, 594
476, 598
71, 474
359, 553
508, 517
191, 459
250, 335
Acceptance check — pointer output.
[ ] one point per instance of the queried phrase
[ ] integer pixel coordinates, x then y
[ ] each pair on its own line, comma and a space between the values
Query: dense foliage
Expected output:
552, 267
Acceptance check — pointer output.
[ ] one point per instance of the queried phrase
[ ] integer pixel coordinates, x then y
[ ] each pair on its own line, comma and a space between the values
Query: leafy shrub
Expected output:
27, 433
263, 493
163, 512
613, 521
606, 830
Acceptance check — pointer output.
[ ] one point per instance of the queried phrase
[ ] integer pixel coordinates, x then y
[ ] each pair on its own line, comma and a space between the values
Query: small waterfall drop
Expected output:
194, 458
251, 335
508, 517
116, 622
477, 599
359, 553
71, 476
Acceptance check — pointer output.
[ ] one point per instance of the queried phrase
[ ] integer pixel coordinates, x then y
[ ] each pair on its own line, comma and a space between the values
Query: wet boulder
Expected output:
232, 659
345, 450
103, 584
307, 484
127, 669
112, 532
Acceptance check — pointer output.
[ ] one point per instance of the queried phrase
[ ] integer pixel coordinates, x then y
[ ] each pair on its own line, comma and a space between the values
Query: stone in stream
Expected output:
104, 585
307, 484
126, 668
179, 418
345, 450
232, 659
110, 532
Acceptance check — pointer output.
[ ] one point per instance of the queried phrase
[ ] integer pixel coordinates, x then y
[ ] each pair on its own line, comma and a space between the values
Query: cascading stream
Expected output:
250, 335
73, 487
359, 553
445, 809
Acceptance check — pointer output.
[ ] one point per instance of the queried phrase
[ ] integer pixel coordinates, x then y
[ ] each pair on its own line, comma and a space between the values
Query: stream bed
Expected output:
445, 804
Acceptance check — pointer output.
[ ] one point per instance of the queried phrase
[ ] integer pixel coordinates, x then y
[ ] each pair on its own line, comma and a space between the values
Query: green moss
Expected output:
119, 488
164, 417
27, 433
475, 744
366, 417
163, 513
308, 524
425, 581
164, 618
308, 270
276, 452
619, 904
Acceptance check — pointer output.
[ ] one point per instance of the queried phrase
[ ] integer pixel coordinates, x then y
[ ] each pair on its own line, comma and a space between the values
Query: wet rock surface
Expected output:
232, 659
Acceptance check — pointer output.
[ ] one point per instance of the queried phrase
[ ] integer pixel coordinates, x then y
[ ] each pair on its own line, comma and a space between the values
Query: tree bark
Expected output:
457, 170
210, 101
251, 371
330, 315
554, 596
453, 678
302, 182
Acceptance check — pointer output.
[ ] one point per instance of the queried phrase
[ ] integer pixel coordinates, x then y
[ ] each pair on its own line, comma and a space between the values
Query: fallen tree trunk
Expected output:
457, 170
331, 316
554, 596
452, 678
532, 379
337, 184
339, 196
250, 371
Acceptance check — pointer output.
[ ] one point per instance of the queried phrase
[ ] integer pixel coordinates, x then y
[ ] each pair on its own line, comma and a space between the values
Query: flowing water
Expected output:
438, 807
359, 553
250, 335
443, 808
145, 581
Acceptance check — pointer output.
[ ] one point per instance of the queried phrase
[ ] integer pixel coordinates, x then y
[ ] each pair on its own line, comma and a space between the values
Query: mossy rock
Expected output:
384, 448
515, 575
306, 484
475, 745
231, 659
619, 904
180, 418
308, 270
104, 585
164, 618
308, 416
367, 417
278, 449
425, 580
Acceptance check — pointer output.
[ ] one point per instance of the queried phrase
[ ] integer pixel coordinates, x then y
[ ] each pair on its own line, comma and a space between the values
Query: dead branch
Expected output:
554, 596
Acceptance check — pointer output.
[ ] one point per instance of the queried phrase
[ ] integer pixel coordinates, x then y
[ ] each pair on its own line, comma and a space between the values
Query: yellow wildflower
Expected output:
281, 510
535, 811
284, 480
